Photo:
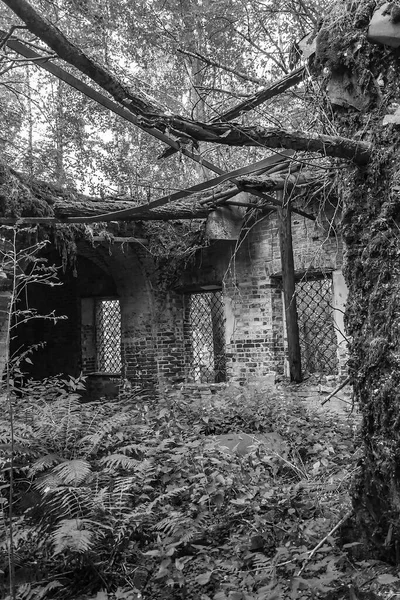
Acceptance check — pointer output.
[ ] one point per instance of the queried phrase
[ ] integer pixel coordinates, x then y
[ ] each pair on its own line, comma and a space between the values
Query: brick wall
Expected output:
152, 340
256, 345
155, 340
255, 332
151, 320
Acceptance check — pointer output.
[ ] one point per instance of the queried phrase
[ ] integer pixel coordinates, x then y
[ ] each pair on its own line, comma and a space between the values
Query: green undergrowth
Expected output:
135, 499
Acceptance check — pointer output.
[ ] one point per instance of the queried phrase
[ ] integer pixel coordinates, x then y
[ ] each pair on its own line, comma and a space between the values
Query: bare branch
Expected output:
267, 93
218, 65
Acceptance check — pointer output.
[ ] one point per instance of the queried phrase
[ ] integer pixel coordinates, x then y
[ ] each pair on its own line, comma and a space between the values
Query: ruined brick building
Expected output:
223, 321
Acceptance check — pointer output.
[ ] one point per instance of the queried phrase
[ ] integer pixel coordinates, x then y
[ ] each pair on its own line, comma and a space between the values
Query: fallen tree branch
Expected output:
322, 542
213, 63
41, 202
231, 135
279, 181
258, 98
336, 390
34, 201
276, 88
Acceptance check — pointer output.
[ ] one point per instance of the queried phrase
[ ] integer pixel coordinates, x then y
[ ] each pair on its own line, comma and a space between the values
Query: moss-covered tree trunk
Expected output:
371, 230
372, 271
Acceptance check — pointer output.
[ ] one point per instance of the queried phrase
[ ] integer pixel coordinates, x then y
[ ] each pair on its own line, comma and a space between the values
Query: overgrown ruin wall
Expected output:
155, 339
257, 344
152, 343
249, 274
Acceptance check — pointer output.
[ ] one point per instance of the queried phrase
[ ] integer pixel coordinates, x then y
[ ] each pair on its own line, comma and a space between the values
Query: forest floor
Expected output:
141, 498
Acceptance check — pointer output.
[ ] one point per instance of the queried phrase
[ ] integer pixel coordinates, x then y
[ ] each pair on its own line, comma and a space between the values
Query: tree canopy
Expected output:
156, 51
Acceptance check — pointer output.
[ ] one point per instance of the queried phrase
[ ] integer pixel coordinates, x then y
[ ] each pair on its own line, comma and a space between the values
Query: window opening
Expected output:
108, 336
318, 340
206, 317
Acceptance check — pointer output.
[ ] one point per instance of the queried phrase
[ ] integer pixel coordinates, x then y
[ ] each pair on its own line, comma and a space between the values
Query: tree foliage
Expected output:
158, 50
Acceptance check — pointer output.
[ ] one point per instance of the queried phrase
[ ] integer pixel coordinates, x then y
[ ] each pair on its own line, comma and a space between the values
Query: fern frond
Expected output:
69, 502
25, 592
45, 462
65, 473
90, 442
146, 470
260, 561
120, 461
64, 505
42, 590
72, 534
72, 471
135, 448
101, 499
47, 483
184, 529
189, 535
170, 525
124, 485
106, 429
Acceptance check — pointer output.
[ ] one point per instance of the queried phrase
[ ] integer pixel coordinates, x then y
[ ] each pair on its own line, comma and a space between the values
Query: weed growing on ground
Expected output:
135, 499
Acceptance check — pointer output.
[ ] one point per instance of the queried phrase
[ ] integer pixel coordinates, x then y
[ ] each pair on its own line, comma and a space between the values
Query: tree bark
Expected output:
372, 319
38, 201
279, 181
231, 135
370, 226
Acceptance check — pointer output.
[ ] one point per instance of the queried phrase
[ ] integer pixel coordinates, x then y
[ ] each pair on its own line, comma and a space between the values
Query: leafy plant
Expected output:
135, 499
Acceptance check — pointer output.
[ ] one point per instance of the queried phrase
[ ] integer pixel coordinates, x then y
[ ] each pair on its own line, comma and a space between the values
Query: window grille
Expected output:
108, 336
207, 337
318, 340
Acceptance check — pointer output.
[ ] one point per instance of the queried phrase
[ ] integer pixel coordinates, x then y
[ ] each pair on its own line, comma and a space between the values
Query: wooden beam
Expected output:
289, 295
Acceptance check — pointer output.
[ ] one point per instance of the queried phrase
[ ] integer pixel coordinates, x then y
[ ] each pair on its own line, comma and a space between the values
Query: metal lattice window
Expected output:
318, 340
108, 336
207, 337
